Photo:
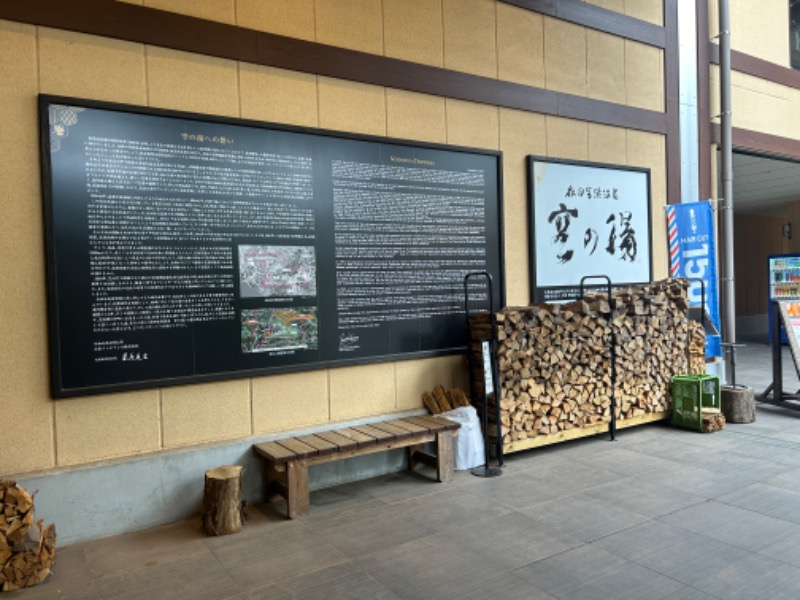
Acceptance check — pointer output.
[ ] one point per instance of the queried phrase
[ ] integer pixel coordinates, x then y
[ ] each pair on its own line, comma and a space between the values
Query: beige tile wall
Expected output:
517, 45
760, 29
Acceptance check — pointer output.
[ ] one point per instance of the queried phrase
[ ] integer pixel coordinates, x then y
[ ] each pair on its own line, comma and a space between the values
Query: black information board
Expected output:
185, 248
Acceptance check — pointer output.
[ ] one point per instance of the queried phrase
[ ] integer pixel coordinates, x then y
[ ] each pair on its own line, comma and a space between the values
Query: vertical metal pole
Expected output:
726, 151
777, 359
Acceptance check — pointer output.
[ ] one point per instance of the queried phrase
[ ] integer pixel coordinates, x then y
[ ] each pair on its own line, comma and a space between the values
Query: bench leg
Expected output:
297, 498
445, 459
413, 453
275, 482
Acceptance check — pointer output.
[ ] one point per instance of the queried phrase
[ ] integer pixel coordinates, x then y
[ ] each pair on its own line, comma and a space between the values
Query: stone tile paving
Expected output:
660, 513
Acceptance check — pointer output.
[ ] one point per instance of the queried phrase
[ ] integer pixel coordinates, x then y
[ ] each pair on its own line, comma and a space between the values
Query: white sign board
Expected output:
587, 219
487, 369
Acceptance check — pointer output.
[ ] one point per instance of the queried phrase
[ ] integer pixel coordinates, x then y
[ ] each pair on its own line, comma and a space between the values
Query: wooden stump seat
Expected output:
288, 459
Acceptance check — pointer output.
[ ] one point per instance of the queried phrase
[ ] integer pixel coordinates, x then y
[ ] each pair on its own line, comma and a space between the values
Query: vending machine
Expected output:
783, 272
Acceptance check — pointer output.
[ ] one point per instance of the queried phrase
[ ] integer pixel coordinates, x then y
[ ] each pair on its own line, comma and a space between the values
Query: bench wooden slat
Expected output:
434, 424
275, 452
408, 425
380, 435
400, 433
341, 441
362, 439
322, 445
424, 421
301, 449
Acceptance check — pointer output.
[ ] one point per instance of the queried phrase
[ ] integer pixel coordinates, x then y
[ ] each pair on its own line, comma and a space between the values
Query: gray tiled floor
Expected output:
661, 513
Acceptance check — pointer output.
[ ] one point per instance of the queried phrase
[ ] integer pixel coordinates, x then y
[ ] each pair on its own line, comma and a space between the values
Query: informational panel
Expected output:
586, 219
790, 316
188, 248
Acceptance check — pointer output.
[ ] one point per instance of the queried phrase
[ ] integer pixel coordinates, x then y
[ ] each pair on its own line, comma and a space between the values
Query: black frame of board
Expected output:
537, 291
58, 390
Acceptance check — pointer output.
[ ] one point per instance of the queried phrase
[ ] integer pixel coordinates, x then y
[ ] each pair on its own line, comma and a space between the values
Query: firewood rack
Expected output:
612, 424
491, 382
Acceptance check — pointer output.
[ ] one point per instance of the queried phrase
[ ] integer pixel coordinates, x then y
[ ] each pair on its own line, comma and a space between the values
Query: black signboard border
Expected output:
59, 392
531, 204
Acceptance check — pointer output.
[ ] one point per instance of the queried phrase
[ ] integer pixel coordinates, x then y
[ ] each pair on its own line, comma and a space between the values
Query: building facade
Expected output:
590, 81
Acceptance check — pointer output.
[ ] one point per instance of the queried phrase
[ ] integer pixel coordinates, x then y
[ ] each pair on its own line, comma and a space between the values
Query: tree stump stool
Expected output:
223, 507
738, 404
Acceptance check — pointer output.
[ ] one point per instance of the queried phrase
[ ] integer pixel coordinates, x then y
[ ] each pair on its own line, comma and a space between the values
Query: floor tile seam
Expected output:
122, 572
281, 583
665, 575
760, 438
684, 583
515, 570
520, 509
588, 544
769, 485
360, 556
714, 497
584, 543
387, 497
750, 550
763, 514
226, 571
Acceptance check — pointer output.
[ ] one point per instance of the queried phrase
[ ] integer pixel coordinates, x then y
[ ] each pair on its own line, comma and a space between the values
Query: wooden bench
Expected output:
288, 460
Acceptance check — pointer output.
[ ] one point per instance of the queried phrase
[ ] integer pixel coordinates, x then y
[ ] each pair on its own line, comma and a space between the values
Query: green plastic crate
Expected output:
690, 395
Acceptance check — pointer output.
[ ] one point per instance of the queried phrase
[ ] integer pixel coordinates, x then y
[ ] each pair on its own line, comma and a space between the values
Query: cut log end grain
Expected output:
27, 547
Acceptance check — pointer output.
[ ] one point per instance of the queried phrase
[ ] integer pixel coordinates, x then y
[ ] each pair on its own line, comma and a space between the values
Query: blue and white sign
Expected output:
693, 254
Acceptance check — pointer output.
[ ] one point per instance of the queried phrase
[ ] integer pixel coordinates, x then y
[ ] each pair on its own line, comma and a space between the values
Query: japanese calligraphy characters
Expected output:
587, 220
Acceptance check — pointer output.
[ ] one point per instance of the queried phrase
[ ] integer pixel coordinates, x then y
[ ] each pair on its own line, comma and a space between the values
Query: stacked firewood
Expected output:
440, 400
697, 349
27, 548
554, 361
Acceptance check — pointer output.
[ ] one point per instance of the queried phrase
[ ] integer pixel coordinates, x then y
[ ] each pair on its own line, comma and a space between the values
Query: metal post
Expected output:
486, 470
777, 359
726, 152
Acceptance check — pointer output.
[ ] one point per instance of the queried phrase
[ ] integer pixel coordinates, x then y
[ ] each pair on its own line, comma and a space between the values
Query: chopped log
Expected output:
713, 420
441, 399
223, 507
27, 547
430, 403
458, 397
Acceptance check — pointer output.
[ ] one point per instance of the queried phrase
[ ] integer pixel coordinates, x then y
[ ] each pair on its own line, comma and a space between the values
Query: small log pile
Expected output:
27, 547
554, 361
440, 400
713, 420
697, 349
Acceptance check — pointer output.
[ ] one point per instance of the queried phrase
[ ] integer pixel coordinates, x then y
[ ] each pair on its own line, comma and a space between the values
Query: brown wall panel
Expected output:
595, 17
180, 32
756, 238
757, 67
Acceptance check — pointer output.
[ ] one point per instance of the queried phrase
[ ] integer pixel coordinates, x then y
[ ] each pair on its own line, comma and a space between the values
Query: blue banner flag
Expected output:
693, 254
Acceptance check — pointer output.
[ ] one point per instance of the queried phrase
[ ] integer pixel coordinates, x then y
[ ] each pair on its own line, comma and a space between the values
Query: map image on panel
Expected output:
275, 271
275, 329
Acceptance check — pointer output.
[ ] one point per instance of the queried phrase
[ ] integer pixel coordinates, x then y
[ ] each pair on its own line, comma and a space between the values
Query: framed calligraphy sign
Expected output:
586, 219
